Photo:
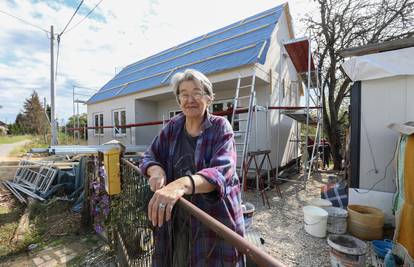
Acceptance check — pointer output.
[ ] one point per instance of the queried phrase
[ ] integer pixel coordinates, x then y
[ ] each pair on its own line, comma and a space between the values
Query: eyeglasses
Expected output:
195, 96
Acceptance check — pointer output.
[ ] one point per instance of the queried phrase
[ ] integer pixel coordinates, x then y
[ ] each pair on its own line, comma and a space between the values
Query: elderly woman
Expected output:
194, 157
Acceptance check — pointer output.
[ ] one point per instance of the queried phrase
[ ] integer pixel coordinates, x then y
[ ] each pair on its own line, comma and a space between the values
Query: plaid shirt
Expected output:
215, 160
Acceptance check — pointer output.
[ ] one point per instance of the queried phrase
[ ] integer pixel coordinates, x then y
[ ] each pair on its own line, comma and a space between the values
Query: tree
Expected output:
350, 23
73, 122
33, 118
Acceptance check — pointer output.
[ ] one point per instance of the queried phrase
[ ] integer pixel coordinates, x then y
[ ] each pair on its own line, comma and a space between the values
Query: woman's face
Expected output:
193, 100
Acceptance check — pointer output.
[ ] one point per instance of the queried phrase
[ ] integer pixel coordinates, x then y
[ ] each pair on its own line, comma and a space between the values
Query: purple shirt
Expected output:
215, 160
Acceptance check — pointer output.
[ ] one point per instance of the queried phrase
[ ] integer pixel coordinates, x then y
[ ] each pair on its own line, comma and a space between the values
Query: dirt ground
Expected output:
282, 227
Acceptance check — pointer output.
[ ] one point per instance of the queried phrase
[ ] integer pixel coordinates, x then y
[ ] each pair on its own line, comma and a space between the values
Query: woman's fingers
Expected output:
168, 210
161, 205
161, 213
156, 182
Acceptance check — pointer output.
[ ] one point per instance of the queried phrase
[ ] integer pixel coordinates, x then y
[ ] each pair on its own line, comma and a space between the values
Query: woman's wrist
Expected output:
183, 185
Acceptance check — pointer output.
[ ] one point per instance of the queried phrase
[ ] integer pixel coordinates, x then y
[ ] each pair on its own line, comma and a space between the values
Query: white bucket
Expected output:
248, 211
315, 220
320, 202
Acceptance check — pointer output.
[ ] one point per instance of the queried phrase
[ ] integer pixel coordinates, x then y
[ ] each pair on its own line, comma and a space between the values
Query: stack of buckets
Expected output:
316, 218
319, 218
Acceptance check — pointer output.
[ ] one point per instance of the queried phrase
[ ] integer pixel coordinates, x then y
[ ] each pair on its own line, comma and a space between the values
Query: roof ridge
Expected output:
207, 35
194, 50
178, 67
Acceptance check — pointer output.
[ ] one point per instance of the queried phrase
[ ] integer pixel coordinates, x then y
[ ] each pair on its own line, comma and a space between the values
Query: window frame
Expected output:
116, 131
100, 117
226, 103
174, 113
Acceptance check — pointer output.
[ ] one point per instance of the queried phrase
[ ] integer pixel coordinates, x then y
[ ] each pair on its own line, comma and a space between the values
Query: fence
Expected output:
131, 234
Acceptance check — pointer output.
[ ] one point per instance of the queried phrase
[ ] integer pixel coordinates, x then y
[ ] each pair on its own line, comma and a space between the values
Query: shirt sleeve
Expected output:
156, 153
223, 162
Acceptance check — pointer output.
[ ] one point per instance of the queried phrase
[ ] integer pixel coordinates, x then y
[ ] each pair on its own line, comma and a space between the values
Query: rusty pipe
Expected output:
258, 256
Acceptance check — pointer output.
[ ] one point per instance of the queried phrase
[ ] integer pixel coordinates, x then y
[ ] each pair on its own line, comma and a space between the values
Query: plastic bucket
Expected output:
248, 211
315, 220
346, 251
336, 220
320, 202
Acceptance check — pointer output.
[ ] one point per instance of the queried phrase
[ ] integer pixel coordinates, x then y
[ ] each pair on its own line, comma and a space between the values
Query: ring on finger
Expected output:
161, 205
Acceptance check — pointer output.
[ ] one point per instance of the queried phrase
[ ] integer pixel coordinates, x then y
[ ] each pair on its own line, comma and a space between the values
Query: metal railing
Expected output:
133, 236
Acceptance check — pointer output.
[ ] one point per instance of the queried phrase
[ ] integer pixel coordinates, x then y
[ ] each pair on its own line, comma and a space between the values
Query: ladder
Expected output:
244, 132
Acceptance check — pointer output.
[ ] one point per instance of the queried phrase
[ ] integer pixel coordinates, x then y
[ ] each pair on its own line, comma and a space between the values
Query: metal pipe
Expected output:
257, 255
219, 113
261, 258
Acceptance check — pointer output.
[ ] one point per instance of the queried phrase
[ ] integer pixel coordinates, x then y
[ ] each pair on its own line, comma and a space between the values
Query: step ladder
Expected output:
243, 132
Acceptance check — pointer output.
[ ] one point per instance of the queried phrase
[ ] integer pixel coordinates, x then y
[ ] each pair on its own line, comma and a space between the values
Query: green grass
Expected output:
9, 220
39, 141
10, 139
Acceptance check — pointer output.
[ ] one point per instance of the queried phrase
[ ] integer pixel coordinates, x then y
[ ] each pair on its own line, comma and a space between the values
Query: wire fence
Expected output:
132, 233
129, 230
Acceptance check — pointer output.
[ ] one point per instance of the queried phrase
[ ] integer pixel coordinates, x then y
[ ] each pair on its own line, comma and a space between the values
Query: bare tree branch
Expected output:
349, 23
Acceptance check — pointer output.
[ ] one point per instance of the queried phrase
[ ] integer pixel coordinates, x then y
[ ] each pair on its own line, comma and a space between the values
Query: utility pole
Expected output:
53, 140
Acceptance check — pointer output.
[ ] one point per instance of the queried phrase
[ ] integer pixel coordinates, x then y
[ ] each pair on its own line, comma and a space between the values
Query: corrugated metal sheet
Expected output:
238, 44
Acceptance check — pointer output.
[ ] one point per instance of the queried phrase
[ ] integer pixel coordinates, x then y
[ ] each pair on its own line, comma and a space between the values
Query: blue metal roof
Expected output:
237, 44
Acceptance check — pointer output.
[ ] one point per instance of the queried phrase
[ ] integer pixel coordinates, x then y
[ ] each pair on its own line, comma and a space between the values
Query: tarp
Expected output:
380, 65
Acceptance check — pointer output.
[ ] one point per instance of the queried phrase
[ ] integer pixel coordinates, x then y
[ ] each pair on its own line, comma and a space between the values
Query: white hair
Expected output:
191, 75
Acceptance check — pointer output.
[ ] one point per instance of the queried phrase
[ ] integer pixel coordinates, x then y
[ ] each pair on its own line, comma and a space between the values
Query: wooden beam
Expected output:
379, 47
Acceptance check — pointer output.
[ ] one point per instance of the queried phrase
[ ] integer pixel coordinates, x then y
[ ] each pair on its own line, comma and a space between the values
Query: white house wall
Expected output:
283, 131
107, 108
383, 101
145, 111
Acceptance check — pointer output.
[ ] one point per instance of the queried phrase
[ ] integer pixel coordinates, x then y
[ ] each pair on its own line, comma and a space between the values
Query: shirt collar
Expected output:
204, 125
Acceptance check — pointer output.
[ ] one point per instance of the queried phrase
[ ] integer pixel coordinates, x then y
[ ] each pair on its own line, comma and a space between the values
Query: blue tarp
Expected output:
235, 45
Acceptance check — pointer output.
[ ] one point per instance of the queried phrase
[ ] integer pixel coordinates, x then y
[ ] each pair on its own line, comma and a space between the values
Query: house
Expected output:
248, 48
383, 76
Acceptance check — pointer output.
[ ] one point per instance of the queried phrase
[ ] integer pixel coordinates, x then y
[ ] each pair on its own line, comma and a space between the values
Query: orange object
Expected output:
405, 216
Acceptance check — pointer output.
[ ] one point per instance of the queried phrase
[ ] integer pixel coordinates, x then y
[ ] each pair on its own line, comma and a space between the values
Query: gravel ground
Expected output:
282, 228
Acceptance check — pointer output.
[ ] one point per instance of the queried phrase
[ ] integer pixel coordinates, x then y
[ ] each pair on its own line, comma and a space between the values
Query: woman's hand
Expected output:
163, 201
157, 177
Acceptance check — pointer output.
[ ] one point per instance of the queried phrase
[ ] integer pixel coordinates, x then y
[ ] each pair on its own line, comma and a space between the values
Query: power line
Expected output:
84, 17
24, 21
57, 56
87, 88
76, 11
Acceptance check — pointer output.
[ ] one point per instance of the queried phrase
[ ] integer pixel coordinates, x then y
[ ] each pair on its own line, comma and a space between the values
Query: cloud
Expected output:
113, 36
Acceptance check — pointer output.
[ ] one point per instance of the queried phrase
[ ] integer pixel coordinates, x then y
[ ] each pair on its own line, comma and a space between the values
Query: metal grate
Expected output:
133, 235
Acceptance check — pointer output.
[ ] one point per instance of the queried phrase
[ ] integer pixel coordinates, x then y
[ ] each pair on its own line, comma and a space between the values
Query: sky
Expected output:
117, 33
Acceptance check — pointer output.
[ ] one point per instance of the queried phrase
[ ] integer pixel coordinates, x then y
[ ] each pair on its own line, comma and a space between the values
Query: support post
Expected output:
53, 140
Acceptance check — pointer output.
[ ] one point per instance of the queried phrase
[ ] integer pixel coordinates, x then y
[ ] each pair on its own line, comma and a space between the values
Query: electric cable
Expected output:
385, 173
24, 21
84, 17
57, 56
76, 11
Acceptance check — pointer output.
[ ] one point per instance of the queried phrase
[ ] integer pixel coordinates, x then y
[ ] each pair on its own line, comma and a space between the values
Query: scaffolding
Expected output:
299, 52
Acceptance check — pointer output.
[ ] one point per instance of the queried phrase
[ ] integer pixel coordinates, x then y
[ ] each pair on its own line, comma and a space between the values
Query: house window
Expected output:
119, 117
173, 113
225, 105
98, 122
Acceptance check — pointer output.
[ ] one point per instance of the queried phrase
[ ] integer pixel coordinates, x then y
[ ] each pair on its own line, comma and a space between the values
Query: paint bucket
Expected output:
315, 220
346, 250
248, 211
336, 220
320, 202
